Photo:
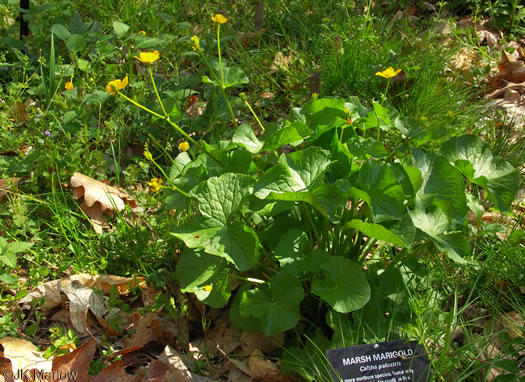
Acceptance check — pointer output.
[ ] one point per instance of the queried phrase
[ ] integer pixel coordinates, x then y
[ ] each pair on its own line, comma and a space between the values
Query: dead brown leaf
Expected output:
236, 375
509, 71
256, 340
75, 362
158, 372
179, 367
5, 365
265, 370
99, 199
113, 373
282, 62
485, 36
223, 335
82, 298
156, 327
23, 355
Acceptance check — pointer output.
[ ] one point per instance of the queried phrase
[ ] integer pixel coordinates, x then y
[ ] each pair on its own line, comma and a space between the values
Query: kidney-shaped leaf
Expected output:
472, 156
386, 194
235, 242
220, 197
295, 172
205, 275
344, 286
276, 304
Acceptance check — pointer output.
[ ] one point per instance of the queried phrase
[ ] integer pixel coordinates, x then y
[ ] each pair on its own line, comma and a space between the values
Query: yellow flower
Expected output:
219, 19
184, 146
114, 86
388, 73
69, 86
148, 57
196, 42
155, 184
142, 33
207, 288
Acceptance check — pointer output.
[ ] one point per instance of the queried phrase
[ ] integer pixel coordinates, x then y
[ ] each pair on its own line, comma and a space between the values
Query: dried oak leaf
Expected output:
264, 370
179, 367
256, 340
158, 328
82, 298
75, 362
99, 199
24, 355
509, 71
114, 373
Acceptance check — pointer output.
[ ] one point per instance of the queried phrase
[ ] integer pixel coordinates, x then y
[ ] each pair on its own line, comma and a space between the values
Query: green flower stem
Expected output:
368, 246
250, 279
311, 221
182, 132
219, 50
156, 91
220, 82
169, 180
159, 146
255, 115
382, 102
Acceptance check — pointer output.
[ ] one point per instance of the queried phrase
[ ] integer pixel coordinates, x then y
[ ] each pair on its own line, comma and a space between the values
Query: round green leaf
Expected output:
275, 303
344, 286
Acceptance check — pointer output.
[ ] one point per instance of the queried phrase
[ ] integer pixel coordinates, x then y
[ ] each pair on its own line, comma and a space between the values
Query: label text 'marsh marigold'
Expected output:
378, 357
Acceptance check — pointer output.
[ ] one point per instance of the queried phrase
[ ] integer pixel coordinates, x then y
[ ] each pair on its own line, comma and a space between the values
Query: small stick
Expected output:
259, 15
315, 83
24, 25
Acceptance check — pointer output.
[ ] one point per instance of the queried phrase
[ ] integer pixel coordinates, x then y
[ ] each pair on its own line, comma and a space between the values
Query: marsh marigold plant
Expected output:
148, 57
155, 184
116, 85
388, 73
184, 146
69, 86
219, 19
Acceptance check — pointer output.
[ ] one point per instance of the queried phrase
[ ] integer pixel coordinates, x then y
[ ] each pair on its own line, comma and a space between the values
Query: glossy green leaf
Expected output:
472, 156
454, 245
245, 323
245, 137
197, 270
295, 172
376, 231
386, 194
442, 186
292, 134
177, 168
366, 147
220, 197
275, 303
233, 76
344, 286
235, 242
120, 29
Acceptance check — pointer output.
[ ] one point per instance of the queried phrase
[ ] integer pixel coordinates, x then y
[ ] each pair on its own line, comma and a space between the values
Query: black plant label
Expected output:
391, 361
